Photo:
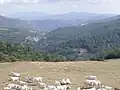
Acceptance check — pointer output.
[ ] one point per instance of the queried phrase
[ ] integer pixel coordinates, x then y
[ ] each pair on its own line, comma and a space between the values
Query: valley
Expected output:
76, 41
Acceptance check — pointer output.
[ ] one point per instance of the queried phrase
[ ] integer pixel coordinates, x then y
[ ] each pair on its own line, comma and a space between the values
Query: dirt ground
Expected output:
107, 72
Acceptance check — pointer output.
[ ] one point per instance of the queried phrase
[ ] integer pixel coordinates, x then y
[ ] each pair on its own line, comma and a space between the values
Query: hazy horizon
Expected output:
60, 6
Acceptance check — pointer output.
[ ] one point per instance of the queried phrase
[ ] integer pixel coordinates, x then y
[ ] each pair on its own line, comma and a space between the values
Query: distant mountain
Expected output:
65, 16
81, 16
29, 15
13, 23
42, 25
46, 22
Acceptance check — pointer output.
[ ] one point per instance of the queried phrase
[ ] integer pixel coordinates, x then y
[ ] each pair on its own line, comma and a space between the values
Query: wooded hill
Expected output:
97, 39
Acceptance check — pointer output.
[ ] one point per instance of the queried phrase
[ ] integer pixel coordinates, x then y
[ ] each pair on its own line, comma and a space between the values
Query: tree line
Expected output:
24, 52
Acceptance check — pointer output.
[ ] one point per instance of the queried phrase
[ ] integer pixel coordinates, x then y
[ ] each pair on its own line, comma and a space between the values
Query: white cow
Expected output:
12, 86
57, 83
109, 88
63, 82
22, 83
37, 79
78, 88
97, 83
68, 81
15, 74
14, 78
86, 89
25, 87
91, 77
7, 88
42, 85
63, 87
51, 87
93, 83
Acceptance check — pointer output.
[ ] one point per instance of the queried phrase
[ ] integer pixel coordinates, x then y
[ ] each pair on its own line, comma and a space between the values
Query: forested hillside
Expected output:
20, 52
95, 40
20, 35
90, 41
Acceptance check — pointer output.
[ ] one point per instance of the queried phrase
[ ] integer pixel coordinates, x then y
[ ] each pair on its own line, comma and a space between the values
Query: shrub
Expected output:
13, 59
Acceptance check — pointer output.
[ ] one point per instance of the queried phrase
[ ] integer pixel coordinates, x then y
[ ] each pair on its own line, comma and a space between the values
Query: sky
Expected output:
60, 6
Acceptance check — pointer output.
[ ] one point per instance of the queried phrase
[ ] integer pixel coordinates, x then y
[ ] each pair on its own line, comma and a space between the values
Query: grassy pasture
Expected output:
107, 72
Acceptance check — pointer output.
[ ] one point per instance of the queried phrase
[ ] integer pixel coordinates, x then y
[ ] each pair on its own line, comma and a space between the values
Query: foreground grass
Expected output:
107, 72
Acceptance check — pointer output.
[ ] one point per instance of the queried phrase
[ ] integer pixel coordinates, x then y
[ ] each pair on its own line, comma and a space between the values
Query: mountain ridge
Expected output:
50, 23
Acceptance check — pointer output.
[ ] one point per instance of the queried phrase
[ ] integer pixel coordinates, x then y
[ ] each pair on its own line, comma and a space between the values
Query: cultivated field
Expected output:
107, 72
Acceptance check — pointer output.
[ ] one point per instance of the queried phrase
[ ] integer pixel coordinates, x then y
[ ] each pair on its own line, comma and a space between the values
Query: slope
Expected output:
87, 40
13, 23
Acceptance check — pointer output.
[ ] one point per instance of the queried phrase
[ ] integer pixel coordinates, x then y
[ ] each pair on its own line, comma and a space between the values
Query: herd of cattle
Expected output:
36, 83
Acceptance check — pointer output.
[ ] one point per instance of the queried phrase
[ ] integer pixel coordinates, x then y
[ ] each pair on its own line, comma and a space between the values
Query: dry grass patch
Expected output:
107, 72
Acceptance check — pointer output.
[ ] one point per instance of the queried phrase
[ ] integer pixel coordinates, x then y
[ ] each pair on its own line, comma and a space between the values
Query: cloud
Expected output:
28, 1
49, 1
56, 1
60, 6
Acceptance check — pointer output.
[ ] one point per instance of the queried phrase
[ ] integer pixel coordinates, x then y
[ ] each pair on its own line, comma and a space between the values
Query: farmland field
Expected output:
107, 72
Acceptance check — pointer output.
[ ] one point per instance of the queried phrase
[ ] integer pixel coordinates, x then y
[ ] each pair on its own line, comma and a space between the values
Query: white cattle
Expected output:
15, 74
90, 89
57, 83
101, 89
25, 87
42, 85
78, 88
109, 88
50, 87
68, 81
22, 83
91, 77
90, 83
7, 88
12, 86
28, 79
86, 89
63, 87
37, 79
17, 87
14, 78
63, 82
93, 83
97, 83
